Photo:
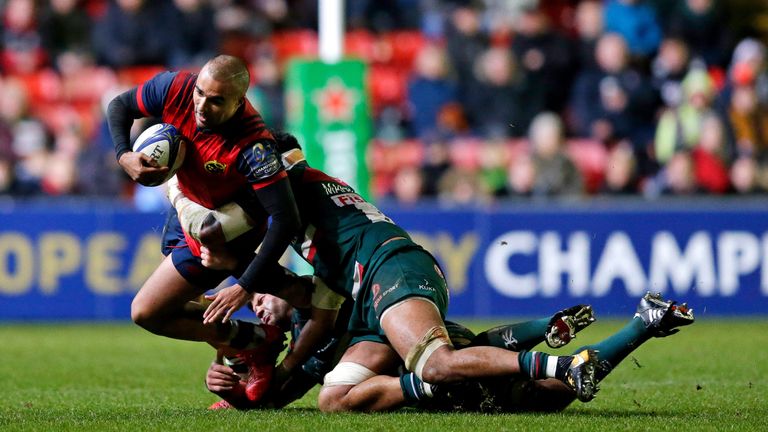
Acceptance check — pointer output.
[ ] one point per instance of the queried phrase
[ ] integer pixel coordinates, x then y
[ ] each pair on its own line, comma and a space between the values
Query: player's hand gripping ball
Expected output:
165, 145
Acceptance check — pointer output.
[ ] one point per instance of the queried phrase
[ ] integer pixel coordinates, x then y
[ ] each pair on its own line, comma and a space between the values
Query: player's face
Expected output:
215, 101
272, 310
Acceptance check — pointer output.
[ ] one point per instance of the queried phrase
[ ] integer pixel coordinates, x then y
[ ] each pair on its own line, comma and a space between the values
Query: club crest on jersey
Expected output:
214, 167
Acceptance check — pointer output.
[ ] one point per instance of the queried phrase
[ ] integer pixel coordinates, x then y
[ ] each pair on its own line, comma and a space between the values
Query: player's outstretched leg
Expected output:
655, 317
576, 371
557, 330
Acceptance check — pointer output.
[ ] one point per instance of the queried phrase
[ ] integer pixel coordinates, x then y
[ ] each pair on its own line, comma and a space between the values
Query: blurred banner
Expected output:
60, 263
328, 111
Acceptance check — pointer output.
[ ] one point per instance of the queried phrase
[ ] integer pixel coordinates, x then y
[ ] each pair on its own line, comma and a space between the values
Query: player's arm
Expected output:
271, 187
138, 102
317, 331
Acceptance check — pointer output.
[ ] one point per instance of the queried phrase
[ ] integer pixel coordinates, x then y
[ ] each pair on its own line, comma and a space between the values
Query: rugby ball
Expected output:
164, 144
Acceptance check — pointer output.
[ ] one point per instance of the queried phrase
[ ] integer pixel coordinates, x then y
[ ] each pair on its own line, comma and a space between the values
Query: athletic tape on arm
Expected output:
347, 373
417, 357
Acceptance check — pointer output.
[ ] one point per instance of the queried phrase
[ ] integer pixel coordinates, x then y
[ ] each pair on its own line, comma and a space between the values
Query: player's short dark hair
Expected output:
285, 141
227, 68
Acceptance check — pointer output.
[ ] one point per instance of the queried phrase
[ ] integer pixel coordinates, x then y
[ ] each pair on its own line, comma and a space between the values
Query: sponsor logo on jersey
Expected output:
214, 167
335, 188
346, 199
426, 287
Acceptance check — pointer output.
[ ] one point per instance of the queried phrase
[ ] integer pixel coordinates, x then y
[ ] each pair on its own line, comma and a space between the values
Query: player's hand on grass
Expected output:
225, 303
142, 168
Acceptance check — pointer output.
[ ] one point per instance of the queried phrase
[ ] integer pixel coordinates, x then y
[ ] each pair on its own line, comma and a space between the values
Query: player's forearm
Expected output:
120, 116
315, 333
277, 200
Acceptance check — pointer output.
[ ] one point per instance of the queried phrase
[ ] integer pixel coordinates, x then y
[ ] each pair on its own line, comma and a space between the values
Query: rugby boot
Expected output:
662, 317
233, 399
580, 376
260, 362
564, 325
220, 405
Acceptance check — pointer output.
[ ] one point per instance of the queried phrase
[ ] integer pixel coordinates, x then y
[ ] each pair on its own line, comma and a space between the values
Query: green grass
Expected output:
75, 377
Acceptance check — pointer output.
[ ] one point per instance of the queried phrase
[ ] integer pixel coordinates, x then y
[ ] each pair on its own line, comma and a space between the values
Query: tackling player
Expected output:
225, 382
399, 302
654, 317
229, 150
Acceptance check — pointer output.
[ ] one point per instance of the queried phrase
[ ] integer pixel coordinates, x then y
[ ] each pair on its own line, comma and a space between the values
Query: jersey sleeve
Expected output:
150, 96
260, 164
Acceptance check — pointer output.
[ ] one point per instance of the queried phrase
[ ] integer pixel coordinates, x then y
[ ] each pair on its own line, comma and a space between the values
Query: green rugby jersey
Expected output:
341, 231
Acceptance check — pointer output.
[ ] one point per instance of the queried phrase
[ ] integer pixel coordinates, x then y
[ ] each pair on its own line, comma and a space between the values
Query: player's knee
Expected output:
438, 368
331, 398
142, 314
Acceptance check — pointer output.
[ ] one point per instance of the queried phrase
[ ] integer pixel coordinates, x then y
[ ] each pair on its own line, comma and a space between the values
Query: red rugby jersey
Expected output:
219, 162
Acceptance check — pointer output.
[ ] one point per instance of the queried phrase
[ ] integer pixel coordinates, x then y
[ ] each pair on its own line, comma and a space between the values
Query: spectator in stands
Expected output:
748, 66
381, 15
521, 176
677, 176
748, 121
620, 171
408, 185
680, 128
22, 48
435, 164
30, 138
710, 157
430, 90
615, 102
500, 102
195, 36
494, 158
465, 42
99, 174
669, 69
266, 93
545, 56
133, 32
66, 29
461, 187
7, 155
60, 176
555, 172
745, 174
589, 27
702, 25
636, 22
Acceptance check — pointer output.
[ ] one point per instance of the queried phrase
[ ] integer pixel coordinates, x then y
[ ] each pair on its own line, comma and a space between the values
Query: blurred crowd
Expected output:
472, 100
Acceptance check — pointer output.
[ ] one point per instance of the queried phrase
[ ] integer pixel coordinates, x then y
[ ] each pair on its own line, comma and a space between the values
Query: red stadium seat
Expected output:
387, 85
89, 85
296, 43
135, 75
405, 45
360, 44
465, 153
42, 87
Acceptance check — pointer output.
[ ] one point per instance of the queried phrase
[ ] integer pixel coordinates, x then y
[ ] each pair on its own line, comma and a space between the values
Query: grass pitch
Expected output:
75, 377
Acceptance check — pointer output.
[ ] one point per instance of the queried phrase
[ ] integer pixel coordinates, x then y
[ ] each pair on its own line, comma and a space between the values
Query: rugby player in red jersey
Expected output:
229, 151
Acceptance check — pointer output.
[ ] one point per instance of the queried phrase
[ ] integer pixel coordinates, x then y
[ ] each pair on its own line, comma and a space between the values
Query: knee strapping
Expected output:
417, 357
347, 373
